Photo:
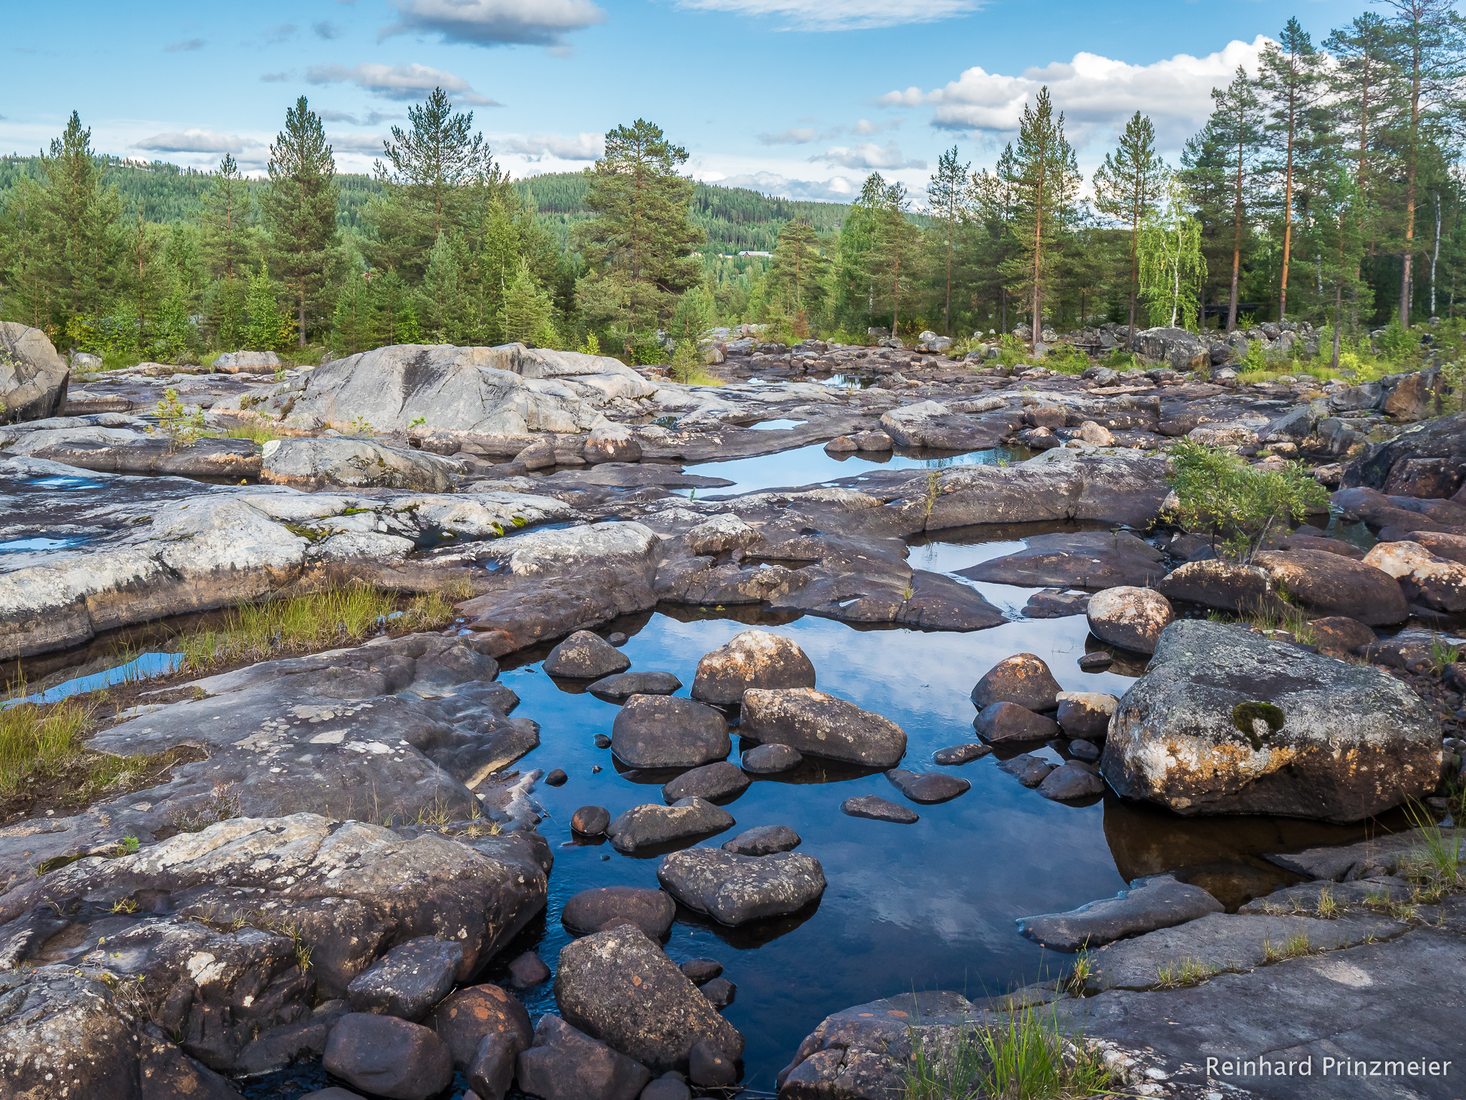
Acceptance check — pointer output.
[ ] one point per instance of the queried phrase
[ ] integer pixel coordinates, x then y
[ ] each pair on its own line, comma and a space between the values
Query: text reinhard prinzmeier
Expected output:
1327, 1066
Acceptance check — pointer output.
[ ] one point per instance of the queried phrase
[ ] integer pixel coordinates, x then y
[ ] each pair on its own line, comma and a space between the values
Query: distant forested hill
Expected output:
735, 219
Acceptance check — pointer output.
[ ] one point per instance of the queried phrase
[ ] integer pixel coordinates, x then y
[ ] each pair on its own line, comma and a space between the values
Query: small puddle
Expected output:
776, 425
849, 381
65, 482
145, 666
812, 465
41, 543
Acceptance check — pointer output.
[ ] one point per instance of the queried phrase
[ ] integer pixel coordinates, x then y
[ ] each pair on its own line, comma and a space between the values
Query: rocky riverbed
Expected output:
870, 678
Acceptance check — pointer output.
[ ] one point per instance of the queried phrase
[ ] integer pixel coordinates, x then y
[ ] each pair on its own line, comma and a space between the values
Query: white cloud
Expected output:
534, 148
868, 155
192, 141
1097, 94
496, 22
187, 45
398, 81
840, 15
797, 135
836, 189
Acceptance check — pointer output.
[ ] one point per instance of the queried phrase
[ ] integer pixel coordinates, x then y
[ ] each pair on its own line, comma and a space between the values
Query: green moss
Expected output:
1246, 715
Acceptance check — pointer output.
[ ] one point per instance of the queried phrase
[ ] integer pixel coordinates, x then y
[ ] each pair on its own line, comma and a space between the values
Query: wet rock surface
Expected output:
736, 889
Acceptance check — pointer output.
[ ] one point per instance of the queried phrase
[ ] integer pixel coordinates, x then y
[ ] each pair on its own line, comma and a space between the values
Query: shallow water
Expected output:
41, 542
813, 465
145, 666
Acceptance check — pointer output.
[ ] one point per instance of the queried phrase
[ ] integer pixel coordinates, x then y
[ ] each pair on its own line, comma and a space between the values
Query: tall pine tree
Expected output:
300, 211
1128, 186
1046, 180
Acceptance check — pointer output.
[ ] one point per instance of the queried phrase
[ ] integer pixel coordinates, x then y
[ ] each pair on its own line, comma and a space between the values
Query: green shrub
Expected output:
1237, 505
1066, 359
181, 426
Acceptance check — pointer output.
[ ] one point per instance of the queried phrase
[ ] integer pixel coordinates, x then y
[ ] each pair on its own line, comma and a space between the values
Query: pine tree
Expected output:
528, 311
300, 210
994, 198
438, 173
1128, 187
891, 261
947, 195
1046, 180
795, 284
1290, 76
266, 325
1428, 39
68, 258
855, 292
445, 300
351, 319
227, 222
642, 230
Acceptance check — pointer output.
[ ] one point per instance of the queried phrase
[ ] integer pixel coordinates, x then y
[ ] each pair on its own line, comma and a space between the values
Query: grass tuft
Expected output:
40, 737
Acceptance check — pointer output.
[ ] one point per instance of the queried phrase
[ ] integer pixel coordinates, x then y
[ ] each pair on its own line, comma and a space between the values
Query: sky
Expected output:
802, 98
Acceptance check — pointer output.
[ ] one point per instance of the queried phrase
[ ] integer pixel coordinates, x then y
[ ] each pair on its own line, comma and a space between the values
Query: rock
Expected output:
1328, 584
585, 656
539, 455
247, 362
1179, 349
720, 992
408, 980
590, 821
619, 987
1097, 661
527, 970
353, 463
1129, 618
1071, 782
928, 787
611, 443
1340, 636
721, 535
651, 826
735, 889
1023, 679
771, 759
1029, 770
1075, 559
1249, 725
556, 777
873, 441
821, 725
509, 391
663, 731
1094, 434
623, 685
1427, 460
594, 910
710, 1066
1434, 582
763, 841
841, 445
388, 1057
1147, 904
465, 1017
961, 754
1055, 604
33, 377
702, 970
879, 809
491, 1072
566, 1064
718, 781
1219, 584
752, 659
1084, 751
1009, 723
669, 1086
1086, 714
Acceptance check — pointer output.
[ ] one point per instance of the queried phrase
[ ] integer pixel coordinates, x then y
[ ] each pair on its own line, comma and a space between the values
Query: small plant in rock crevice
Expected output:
176, 421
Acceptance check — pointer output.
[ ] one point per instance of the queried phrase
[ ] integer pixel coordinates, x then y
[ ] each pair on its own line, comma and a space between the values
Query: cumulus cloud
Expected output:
1095, 93
868, 156
275, 78
497, 22
533, 147
837, 189
366, 144
192, 141
839, 15
186, 45
398, 81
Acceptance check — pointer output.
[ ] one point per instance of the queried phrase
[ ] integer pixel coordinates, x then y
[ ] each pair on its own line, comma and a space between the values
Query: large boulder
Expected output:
567, 1064
585, 656
388, 1057
752, 659
735, 889
503, 391
247, 362
1428, 460
1130, 618
649, 827
1175, 347
353, 463
821, 725
1218, 584
33, 376
618, 986
1436, 582
666, 731
601, 907
1331, 584
1228, 722
1024, 679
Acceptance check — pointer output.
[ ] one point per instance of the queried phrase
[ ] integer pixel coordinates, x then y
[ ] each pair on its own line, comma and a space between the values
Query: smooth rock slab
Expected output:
567, 1064
651, 826
619, 987
663, 731
753, 658
821, 725
928, 787
1149, 903
734, 889
879, 809
1226, 721
388, 1057
585, 656
593, 910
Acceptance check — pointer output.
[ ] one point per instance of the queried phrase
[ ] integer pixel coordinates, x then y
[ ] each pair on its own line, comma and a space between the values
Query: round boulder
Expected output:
752, 659
1130, 618
665, 731
585, 656
734, 889
591, 911
821, 725
1023, 679
388, 1057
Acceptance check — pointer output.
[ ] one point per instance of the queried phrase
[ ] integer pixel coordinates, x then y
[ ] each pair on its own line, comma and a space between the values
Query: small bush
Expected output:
1238, 506
39, 737
181, 426
1066, 359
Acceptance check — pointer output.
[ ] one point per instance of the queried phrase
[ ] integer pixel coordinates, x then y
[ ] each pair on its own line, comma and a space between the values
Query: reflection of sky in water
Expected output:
143, 667
65, 481
25, 546
812, 465
926, 906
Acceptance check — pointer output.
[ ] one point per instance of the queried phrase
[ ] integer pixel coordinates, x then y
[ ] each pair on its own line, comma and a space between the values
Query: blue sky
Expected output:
796, 97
